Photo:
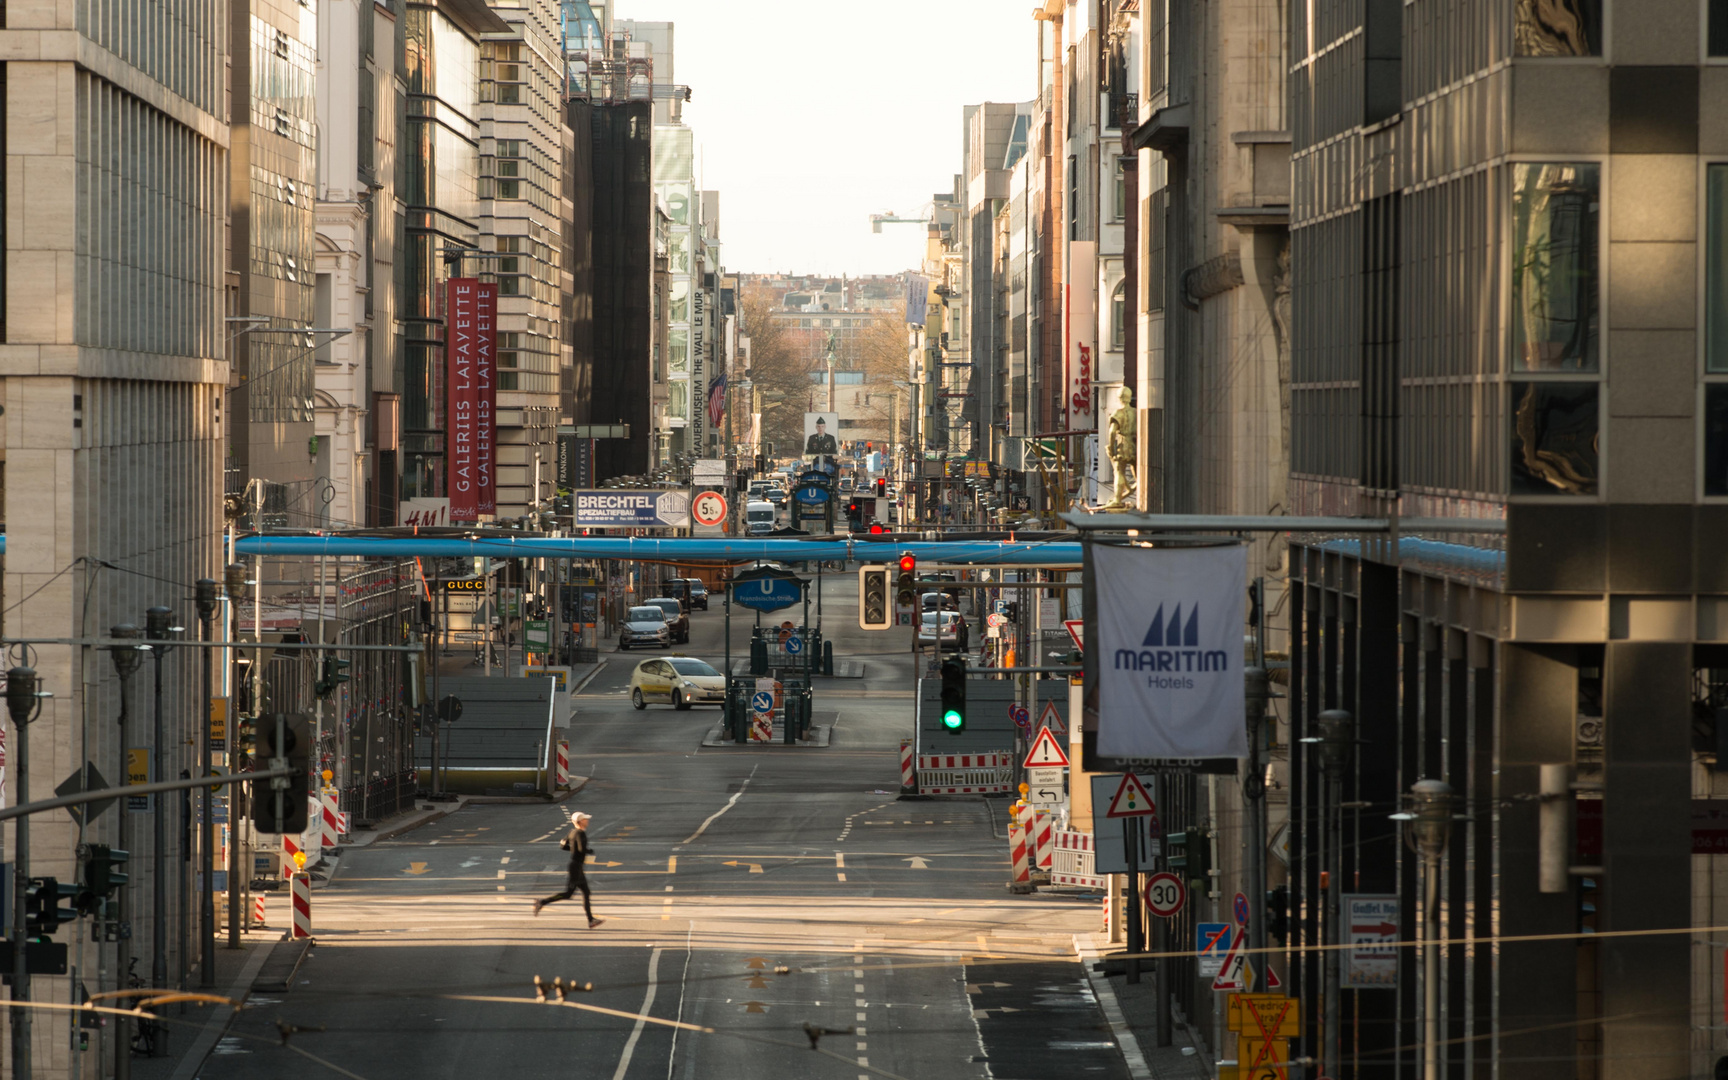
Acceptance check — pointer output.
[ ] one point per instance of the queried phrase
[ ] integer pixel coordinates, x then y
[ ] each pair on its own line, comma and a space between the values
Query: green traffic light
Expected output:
952, 720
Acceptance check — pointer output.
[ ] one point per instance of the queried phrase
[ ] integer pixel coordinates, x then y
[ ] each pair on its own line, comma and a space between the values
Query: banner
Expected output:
1168, 632
653, 508
486, 397
462, 400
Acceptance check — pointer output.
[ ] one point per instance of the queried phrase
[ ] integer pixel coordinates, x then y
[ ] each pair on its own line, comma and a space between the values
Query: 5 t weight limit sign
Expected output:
1165, 894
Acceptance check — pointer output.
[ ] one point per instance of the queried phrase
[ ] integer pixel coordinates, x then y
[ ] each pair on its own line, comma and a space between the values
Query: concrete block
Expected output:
1650, 459
1652, 286
1559, 108
1652, 372
1653, 197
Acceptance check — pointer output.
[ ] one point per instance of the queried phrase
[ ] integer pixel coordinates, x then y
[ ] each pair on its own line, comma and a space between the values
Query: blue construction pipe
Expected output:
731, 549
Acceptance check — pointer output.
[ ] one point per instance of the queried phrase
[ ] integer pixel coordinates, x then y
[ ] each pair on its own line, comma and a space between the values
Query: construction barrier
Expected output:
1072, 861
1018, 847
1043, 824
302, 889
330, 827
290, 848
342, 822
965, 774
908, 773
563, 763
258, 911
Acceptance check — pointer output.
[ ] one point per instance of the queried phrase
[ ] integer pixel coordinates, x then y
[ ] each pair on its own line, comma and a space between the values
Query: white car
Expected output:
645, 626
944, 628
680, 681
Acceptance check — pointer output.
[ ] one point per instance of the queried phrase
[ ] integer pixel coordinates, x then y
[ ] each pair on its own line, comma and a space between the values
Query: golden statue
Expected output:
1123, 449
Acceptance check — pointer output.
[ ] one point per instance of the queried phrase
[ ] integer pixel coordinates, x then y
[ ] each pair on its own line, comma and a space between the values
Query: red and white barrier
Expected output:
342, 822
1072, 860
965, 774
302, 889
1043, 825
1017, 845
258, 911
290, 848
563, 763
330, 828
908, 774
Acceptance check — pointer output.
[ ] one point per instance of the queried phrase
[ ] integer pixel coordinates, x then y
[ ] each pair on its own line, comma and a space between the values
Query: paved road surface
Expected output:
714, 869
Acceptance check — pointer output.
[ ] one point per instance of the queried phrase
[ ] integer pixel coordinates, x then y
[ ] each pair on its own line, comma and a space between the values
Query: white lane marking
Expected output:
500, 875
430, 843
839, 860
672, 1054
842, 877
858, 988
859, 1031
730, 803
860, 1002
505, 860
861, 1016
647, 1003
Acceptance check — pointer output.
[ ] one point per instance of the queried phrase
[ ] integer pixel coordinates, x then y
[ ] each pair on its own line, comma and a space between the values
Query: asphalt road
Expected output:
747, 892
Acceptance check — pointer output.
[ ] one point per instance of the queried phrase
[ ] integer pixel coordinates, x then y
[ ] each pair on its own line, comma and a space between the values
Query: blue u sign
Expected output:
768, 593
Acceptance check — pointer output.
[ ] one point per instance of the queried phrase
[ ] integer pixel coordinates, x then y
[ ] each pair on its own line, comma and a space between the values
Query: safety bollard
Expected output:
328, 824
908, 773
1019, 845
563, 763
258, 912
302, 890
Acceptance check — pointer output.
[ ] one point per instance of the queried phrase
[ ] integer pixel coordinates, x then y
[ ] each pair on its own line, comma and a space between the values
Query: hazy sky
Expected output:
812, 115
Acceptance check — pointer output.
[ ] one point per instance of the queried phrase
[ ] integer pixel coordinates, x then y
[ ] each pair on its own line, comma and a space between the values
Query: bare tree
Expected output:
778, 368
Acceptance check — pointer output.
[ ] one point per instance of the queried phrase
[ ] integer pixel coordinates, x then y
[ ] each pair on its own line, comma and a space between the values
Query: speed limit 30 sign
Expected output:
1165, 894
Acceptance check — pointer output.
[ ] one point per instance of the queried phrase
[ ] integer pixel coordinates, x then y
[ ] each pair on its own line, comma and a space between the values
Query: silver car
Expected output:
645, 626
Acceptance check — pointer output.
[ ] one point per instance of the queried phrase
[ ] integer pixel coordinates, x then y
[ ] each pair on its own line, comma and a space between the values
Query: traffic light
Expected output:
43, 912
1278, 913
279, 804
876, 529
1189, 856
1586, 905
334, 674
953, 695
873, 613
104, 872
881, 487
906, 590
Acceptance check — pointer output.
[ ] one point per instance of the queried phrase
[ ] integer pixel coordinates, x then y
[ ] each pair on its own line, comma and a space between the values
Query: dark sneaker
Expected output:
592, 923
538, 904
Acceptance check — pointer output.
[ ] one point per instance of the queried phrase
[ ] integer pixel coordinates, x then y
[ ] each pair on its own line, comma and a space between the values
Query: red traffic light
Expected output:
881, 486
877, 530
908, 563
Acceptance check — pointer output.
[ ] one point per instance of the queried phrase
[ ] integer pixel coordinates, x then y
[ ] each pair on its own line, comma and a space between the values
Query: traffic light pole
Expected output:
21, 708
206, 600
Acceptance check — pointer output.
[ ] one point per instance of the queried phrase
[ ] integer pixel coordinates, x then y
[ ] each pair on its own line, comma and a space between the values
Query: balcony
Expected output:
1124, 111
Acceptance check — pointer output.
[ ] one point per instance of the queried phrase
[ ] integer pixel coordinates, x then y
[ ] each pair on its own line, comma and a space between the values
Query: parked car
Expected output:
645, 625
944, 629
680, 681
676, 620
693, 591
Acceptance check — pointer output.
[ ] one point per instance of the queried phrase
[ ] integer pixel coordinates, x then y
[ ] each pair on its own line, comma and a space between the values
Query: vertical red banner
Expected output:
486, 397
462, 401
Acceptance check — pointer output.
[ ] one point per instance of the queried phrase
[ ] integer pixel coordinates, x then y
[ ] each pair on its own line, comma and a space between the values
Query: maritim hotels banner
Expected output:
1169, 648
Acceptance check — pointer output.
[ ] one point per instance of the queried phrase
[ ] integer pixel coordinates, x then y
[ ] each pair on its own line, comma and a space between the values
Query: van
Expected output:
759, 518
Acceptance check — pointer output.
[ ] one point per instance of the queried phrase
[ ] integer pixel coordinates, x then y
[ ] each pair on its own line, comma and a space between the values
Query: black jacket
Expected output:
577, 845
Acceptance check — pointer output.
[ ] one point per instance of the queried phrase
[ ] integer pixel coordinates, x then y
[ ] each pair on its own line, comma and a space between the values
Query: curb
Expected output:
599, 666
1101, 989
276, 975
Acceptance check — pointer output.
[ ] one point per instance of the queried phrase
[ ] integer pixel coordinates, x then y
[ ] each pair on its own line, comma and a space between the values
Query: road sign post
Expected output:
1165, 895
1133, 803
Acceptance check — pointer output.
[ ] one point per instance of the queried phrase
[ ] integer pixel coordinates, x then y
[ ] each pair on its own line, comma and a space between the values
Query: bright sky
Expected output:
810, 115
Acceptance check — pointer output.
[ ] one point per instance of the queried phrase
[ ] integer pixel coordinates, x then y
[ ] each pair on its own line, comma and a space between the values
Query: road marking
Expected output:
755, 867
430, 843
671, 865
500, 875
839, 860
842, 877
666, 907
730, 803
860, 1002
858, 988
415, 868
505, 860
917, 863
647, 1003
861, 1016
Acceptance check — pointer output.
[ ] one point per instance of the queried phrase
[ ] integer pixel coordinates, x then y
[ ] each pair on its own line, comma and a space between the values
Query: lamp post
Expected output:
1427, 830
126, 659
1258, 688
158, 625
234, 584
24, 704
1334, 744
205, 596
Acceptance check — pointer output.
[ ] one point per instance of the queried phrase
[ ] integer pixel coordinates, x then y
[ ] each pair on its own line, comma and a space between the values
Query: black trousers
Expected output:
577, 880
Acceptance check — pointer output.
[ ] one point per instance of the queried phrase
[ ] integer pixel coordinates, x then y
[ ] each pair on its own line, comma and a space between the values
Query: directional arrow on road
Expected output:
755, 1006
757, 982
608, 864
415, 868
984, 1014
917, 864
755, 867
976, 988
756, 962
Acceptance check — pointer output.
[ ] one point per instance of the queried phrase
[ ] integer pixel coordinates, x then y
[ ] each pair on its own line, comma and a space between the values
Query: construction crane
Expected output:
878, 220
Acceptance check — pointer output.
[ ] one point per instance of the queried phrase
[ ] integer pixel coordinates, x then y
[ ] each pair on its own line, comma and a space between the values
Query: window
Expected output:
1554, 438
1718, 32
1716, 439
1555, 256
1119, 315
1119, 203
1558, 27
1716, 270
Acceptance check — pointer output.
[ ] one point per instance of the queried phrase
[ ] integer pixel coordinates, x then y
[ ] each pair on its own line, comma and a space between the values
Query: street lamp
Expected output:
158, 626
1427, 829
205, 596
24, 704
1333, 746
126, 659
234, 582
1257, 687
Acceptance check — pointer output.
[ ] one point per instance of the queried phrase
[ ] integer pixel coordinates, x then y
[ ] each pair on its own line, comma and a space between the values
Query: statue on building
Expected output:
1123, 448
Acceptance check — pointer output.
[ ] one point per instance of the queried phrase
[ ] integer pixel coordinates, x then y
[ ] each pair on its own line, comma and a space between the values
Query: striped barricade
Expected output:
965, 774
563, 763
290, 849
1019, 847
329, 823
908, 772
301, 885
258, 922
1043, 826
1072, 860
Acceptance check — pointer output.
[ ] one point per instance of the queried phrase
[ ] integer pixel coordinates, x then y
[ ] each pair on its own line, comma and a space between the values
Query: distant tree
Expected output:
779, 370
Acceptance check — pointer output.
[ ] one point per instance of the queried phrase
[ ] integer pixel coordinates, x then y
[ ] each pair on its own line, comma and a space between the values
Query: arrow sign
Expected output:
757, 982
755, 1006
756, 962
1131, 799
917, 864
415, 868
1046, 751
755, 868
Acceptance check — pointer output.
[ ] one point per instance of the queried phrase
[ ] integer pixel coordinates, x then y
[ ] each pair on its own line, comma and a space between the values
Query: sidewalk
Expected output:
1131, 1011
195, 1029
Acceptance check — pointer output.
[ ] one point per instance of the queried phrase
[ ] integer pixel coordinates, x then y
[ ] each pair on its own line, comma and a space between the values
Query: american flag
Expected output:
717, 399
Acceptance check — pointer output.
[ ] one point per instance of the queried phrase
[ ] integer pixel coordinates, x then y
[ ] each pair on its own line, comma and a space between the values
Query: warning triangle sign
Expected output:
1046, 751
1131, 799
1237, 973
1052, 719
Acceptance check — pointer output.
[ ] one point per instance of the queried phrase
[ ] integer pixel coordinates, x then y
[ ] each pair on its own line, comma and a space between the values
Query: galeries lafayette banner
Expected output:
1169, 651
470, 417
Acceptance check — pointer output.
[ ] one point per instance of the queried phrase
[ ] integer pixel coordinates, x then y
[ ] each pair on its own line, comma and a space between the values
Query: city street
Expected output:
747, 892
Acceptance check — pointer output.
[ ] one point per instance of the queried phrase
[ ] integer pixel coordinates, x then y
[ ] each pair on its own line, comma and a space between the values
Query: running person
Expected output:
577, 845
